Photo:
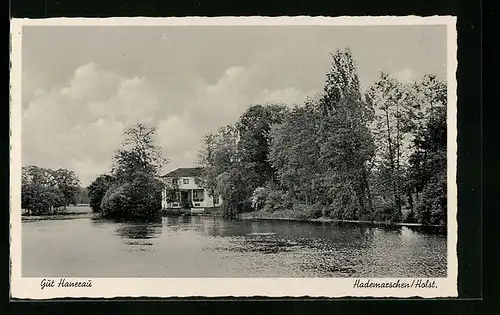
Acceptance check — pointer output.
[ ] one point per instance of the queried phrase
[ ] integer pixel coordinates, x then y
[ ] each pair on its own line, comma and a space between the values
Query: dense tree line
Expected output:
235, 159
44, 190
132, 189
347, 154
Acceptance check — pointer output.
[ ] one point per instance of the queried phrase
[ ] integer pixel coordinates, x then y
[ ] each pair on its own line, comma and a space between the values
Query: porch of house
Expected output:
184, 199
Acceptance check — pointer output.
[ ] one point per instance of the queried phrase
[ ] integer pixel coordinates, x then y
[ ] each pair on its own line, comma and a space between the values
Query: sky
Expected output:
82, 86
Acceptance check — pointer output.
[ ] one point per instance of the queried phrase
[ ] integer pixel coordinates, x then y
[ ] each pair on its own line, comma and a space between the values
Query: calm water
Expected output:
82, 246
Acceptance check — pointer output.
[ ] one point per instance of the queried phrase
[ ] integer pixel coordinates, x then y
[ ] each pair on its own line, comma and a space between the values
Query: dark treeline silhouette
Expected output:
378, 155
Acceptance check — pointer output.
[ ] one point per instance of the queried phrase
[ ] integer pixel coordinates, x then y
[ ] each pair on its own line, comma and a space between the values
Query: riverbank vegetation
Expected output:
47, 191
347, 154
132, 190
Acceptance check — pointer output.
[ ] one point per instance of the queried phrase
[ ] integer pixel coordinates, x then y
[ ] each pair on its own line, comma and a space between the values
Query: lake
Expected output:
88, 246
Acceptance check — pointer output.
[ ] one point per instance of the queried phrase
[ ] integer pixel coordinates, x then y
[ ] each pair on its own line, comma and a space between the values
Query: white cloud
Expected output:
86, 169
235, 91
291, 96
133, 101
90, 83
406, 75
174, 133
217, 105
79, 125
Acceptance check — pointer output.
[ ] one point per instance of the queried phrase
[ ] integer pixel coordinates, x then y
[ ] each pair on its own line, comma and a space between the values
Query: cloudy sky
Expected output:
83, 85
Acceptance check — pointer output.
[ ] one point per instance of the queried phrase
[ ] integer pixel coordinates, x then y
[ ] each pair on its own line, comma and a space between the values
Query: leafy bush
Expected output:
97, 190
304, 211
347, 212
45, 190
432, 208
276, 201
233, 186
343, 205
259, 197
410, 217
40, 199
114, 201
384, 214
136, 199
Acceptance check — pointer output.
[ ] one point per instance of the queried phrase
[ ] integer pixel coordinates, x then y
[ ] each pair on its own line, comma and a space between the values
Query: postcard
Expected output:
234, 157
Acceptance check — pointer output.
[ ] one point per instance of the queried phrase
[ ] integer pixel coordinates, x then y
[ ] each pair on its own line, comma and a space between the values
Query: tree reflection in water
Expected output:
133, 230
142, 230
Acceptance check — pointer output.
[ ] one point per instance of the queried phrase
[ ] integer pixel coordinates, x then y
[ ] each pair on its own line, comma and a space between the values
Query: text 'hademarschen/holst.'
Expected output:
415, 283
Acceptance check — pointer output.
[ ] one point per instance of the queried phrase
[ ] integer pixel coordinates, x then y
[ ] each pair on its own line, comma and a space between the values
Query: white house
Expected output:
182, 191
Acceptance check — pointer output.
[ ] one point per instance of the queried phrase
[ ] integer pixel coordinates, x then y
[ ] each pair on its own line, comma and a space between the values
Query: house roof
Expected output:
185, 172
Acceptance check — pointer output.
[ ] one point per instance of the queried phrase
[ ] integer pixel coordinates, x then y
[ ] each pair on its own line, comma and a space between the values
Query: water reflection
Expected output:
340, 232
342, 249
428, 230
214, 247
139, 230
132, 230
182, 222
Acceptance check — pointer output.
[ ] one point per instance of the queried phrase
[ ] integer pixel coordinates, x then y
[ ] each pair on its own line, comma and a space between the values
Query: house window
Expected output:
173, 195
185, 181
198, 195
216, 200
175, 181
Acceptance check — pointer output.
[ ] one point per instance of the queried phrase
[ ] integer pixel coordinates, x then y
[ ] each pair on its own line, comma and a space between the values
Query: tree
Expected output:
235, 159
136, 190
139, 154
393, 111
83, 196
138, 199
294, 153
428, 166
39, 176
346, 144
44, 190
218, 155
402, 114
253, 146
68, 184
220, 160
235, 189
97, 189
355, 155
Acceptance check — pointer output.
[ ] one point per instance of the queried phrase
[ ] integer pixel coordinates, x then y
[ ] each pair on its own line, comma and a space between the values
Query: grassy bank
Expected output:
290, 215
70, 210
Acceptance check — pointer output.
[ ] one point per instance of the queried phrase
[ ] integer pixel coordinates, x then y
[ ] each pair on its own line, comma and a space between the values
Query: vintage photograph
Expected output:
259, 150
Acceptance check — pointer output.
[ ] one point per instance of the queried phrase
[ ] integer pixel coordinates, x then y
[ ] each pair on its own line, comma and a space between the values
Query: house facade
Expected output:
182, 190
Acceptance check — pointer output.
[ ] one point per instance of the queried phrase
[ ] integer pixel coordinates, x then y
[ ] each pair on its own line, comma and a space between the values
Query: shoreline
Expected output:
32, 217
246, 217
327, 220
28, 217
